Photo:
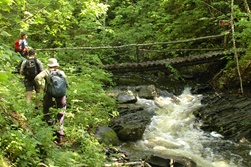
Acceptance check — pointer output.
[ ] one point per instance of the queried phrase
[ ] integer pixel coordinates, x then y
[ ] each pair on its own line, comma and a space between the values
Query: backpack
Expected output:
18, 45
57, 84
31, 69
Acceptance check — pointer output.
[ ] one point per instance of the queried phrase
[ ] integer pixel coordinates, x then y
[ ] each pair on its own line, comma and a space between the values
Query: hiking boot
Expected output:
59, 139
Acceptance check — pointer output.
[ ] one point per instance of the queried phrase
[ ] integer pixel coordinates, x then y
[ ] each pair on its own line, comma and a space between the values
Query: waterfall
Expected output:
174, 130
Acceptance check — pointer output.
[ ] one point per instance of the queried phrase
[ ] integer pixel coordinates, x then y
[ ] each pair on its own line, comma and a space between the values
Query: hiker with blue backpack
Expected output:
30, 68
55, 94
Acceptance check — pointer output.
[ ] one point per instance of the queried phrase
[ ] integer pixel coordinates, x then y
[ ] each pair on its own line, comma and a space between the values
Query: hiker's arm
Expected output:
40, 65
22, 67
67, 83
38, 79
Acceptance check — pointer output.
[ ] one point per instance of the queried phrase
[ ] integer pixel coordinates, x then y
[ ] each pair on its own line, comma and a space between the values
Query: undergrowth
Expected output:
26, 140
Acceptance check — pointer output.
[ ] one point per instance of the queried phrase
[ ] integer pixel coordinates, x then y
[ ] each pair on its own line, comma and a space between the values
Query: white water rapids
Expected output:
174, 130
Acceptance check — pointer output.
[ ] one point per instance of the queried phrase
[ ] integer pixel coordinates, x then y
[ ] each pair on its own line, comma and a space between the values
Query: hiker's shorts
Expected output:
31, 85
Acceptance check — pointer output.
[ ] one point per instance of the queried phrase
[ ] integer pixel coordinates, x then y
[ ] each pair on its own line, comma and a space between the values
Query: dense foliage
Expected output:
28, 141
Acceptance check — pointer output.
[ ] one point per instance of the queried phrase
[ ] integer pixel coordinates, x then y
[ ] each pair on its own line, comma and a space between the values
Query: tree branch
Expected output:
234, 46
246, 5
29, 17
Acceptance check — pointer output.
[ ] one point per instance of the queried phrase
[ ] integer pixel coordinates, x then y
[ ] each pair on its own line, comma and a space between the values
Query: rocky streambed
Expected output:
226, 114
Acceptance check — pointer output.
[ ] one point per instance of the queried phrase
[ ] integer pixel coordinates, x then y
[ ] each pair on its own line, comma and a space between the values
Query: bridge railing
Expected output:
142, 51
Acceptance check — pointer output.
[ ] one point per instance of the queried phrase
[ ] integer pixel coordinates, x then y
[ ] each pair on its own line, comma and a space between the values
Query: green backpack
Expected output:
57, 84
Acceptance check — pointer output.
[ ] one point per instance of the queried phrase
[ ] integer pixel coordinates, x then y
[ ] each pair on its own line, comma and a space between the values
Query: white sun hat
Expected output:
52, 62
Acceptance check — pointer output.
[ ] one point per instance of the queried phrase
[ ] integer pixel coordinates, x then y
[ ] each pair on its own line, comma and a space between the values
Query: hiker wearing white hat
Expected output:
55, 88
52, 62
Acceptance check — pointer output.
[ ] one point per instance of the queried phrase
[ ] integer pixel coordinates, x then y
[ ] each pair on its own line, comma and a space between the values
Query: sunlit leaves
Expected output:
4, 33
5, 5
3, 76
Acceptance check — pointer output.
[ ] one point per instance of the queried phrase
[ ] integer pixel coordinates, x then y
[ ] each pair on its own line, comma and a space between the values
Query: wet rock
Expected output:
126, 97
164, 93
131, 131
131, 126
124, 109
107, 136
147, 91
228, 115
160, 161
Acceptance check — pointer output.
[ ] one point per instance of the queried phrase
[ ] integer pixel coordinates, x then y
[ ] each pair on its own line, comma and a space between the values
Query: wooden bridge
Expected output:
205, 55
174, 62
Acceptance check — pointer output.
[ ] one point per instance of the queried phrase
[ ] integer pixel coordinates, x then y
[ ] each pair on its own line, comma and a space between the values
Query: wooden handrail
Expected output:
130, 45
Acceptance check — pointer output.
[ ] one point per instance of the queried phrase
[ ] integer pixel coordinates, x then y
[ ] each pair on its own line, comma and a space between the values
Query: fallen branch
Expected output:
119, 164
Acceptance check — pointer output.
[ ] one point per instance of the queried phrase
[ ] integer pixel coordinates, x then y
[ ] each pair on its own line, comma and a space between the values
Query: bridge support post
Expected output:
225, 41
137, 54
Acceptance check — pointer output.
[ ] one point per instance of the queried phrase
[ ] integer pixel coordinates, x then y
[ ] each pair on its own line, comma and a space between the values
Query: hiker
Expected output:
51, 98
21, 45
30, 68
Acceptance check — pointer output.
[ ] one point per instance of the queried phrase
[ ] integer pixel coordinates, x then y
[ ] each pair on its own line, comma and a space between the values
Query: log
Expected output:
119, 164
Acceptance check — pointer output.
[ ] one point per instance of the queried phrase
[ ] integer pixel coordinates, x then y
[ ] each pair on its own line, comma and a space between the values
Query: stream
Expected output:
174, 131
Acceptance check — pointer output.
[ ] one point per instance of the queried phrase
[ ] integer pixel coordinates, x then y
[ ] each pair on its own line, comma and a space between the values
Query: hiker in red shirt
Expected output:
21, 45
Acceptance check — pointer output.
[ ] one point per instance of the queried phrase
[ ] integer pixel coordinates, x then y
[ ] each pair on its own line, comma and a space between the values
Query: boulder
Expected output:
126, 97
131, 131
131, 126
107, 136
147, 91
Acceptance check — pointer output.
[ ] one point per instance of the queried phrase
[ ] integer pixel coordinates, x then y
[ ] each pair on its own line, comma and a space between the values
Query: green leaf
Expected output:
4, 57
3, 77
5, 34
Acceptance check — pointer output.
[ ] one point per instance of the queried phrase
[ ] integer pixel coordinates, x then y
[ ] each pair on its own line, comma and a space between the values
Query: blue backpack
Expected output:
57, 84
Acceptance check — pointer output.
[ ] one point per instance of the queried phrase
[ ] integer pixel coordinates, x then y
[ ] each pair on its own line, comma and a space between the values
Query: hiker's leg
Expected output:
37, 100
47, 103
61, 103
29, 89
60, 119
28, 96
38, 92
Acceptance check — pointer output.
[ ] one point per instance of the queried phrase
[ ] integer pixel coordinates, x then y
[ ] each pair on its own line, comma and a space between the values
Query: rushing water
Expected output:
174, 130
